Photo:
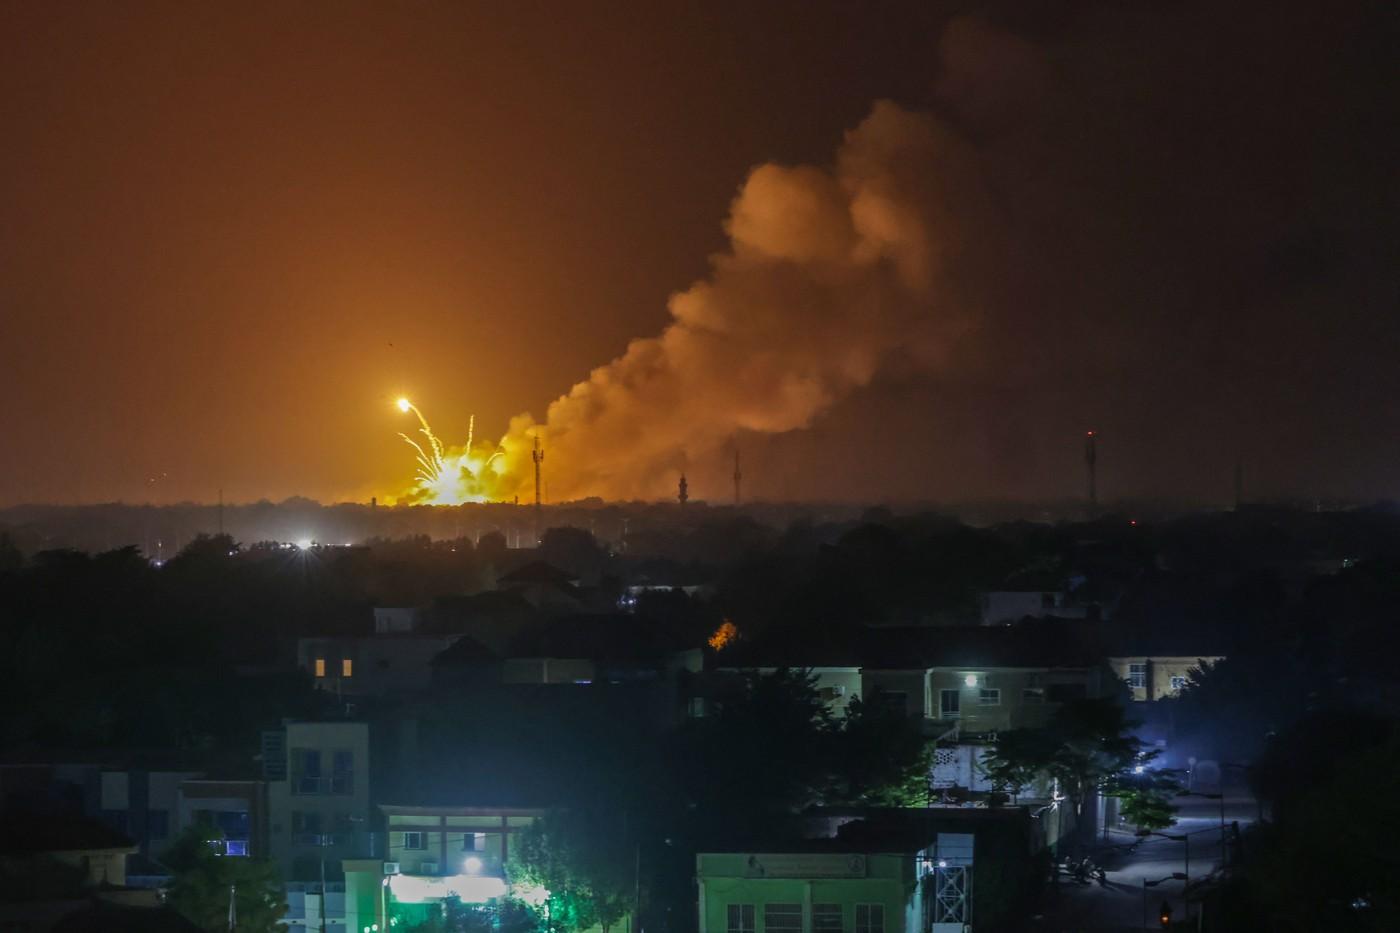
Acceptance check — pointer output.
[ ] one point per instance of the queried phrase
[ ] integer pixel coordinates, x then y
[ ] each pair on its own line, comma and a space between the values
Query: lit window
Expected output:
870, 918
236, 847
989, 696
1137, 676
782, 918
320, 667
740, 919
1178, 682
414, 841
826, 918
346, 666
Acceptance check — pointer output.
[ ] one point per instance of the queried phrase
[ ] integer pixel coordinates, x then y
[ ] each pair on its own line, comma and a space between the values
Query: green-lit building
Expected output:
830, 886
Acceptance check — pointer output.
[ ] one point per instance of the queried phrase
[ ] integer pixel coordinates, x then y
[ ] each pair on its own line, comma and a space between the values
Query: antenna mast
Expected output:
538, 456
738, 476
1091, 458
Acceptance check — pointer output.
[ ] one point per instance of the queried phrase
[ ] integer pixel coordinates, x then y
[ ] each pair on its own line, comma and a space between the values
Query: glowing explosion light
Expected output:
451, 476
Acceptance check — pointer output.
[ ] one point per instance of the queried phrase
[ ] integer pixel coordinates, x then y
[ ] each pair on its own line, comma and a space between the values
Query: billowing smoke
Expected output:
830, 274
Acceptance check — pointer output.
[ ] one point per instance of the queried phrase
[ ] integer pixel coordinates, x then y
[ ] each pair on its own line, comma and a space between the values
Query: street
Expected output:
1117, 903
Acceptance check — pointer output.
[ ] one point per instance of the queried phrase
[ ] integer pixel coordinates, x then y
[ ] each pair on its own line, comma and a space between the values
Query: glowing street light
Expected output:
404, 405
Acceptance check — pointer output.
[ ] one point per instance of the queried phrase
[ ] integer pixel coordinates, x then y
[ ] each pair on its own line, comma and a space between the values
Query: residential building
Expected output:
372, 666
136, 794
1157, 677
396, 621
238, 808
433, 852
318, 796
825, 886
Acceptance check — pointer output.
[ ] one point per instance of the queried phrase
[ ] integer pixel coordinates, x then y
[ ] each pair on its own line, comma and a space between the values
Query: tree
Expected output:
202, 879
1086, 746
584, 862
879, 759
1145, 799
763, 755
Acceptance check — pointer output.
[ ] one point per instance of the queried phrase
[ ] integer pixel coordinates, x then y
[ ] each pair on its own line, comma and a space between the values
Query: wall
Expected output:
1160, 671
349, 810
728, 878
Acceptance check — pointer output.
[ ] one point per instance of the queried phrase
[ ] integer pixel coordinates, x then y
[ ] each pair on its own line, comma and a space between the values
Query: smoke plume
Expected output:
830, 273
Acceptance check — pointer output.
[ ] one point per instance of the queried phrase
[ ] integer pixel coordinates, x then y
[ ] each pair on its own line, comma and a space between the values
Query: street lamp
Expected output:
1221, 798
1185, 859
1174, 876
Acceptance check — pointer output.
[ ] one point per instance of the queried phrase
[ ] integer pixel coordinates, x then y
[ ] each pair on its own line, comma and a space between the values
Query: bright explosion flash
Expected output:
451, 476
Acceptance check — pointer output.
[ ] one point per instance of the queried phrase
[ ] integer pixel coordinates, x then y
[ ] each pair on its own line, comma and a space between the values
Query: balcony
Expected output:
337, 785
319, 840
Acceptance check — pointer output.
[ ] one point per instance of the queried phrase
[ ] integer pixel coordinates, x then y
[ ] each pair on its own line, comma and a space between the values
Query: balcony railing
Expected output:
318, 839
337, 785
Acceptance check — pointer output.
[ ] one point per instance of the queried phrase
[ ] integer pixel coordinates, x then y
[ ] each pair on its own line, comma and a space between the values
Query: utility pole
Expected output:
1091, 458
538, 456
683, 494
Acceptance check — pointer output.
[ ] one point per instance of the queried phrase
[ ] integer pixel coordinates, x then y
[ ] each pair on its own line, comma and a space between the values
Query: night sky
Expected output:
232, 235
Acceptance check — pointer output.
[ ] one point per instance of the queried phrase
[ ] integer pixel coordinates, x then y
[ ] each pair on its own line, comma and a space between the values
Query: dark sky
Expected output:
233, 234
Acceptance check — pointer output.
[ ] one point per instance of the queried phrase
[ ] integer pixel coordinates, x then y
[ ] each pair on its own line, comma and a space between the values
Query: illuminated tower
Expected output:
683, 494
738, 477
537, 455
1090, 460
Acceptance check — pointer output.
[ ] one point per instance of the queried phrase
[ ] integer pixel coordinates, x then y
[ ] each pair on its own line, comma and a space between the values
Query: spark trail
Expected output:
451, 475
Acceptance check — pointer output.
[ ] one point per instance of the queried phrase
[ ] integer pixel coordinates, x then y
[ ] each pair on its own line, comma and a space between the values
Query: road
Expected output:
1116, 904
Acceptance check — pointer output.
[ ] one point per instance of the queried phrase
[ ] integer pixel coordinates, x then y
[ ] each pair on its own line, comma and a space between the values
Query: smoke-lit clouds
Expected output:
830, 271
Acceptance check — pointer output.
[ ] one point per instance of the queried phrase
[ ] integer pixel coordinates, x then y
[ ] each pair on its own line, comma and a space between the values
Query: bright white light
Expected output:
404, 404
472, 889
970, 680
472, 865
304, 544
1137, 769
943, 863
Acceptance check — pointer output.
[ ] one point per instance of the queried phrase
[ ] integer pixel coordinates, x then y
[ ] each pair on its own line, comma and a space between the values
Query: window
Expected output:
949, 704
826, 918
320, 667
306, 771
1063, 693
473, 842
1033, 695
782, 918
342, 771
740, 919
870, 918
157, 824
895, 701
989, 696
1137, 676
346, 667
1178, 682
236, 847
414, 841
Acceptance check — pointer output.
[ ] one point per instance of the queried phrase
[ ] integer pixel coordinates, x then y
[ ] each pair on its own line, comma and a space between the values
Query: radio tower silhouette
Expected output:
683, 491
738, 476
1091, 458
537, 455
